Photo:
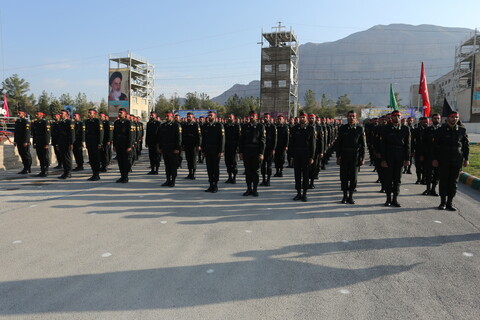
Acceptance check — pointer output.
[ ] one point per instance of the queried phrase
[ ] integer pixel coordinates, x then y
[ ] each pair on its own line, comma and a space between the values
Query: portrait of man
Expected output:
115, 82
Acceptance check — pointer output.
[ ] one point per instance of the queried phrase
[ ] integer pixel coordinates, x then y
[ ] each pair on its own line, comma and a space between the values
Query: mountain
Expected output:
364, 64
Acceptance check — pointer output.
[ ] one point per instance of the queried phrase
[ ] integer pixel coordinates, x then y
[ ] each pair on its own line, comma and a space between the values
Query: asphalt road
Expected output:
99, 250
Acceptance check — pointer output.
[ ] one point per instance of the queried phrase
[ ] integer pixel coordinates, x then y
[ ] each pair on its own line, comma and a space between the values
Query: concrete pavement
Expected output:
100, 250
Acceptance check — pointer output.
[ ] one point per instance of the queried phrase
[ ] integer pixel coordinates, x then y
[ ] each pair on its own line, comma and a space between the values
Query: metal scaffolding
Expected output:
463, 72
142, 75
279, 74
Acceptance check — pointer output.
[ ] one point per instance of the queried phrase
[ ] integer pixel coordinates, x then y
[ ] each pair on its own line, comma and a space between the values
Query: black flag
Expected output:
447, 110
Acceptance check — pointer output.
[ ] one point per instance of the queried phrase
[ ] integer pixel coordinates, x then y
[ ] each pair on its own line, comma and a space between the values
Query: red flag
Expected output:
423, 90
5, 105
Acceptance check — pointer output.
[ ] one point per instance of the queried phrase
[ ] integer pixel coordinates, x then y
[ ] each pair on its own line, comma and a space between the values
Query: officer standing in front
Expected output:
350, 155
303, 139
169, 141
213, 144
22, 141
41, 140
123, 140
395, 154
451, 151
94, 140
251, 150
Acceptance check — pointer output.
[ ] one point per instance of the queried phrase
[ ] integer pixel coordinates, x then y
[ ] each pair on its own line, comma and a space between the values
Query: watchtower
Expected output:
131, 85
279, 74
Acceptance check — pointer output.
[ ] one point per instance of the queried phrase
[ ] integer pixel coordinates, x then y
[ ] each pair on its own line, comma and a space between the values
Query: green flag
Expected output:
393, 102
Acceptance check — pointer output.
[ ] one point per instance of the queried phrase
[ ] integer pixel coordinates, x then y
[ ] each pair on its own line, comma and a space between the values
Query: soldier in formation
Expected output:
213, 144
350, 155
41, 139
94, 140
22, 141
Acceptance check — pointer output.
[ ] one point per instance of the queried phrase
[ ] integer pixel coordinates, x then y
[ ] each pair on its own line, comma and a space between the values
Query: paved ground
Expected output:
81, 250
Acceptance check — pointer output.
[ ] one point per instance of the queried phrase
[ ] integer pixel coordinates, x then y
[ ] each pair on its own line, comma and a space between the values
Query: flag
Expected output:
423, 90
393, 102
446, 108
5, 105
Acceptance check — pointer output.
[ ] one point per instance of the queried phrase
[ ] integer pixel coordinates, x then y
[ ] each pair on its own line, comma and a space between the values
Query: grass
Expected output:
474, 166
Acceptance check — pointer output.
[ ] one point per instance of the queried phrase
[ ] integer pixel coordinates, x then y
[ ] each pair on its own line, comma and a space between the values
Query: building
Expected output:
131, 85
279, 72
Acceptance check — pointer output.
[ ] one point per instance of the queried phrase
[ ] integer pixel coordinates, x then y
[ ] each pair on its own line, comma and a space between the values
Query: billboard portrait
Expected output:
118, 90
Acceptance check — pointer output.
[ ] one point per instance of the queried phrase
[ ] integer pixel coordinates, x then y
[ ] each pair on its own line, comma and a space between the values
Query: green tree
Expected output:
103, 107
174, 102
310, 102
162, 105
44, 102
240, 107
326, 102
55, 107
342, 105
16, 89
192, 101
81, 104
66, 100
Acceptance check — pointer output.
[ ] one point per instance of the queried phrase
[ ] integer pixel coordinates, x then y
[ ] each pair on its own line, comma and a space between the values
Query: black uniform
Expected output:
417, 146
22, 140
78, 144
191, 140
283, 133
140, 132
302, 142
151, 143
64, 141
169, 139
351, 151
232, 139
94, 140
394, 149
41, 140
270, 145
451, 148
317, 158
54, 127
252, 145
106, 151
135, 135
213, 144
431, 173
123, 139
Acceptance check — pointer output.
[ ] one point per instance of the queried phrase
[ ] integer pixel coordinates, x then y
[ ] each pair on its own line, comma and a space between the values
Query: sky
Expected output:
196, 46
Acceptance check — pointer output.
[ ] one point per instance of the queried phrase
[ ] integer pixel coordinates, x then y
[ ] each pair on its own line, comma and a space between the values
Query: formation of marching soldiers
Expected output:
305, 143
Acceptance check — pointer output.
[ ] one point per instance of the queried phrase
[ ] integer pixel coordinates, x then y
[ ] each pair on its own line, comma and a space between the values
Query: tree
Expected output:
162, 105
326, 102
44, 102
103, 107
174, 102
342, 105
66, 100
191, 101
81, 104
310, 101
55, 107
16, 90
240, 107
